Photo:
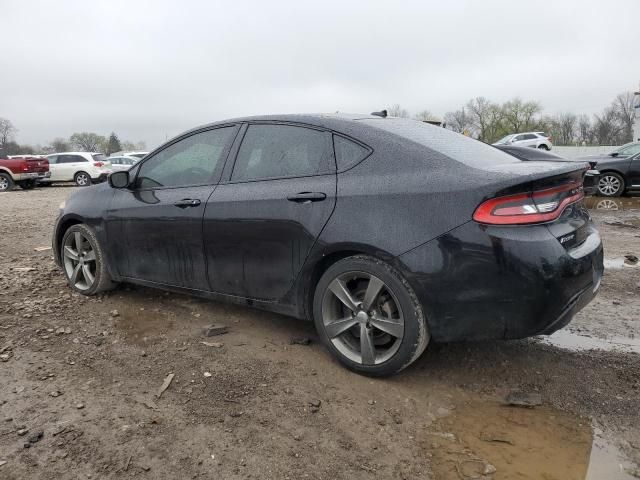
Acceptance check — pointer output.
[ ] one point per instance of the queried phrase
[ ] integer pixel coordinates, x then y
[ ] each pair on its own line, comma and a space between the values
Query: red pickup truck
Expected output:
22, 171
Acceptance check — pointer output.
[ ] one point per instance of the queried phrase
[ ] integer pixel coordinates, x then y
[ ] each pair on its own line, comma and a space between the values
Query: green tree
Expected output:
87, 141
113, 144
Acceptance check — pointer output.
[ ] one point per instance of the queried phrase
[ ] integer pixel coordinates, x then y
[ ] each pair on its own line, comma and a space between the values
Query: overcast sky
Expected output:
148, 70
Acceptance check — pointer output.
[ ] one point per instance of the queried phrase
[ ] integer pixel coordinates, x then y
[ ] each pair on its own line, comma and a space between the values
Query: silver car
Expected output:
121, 163
527, 139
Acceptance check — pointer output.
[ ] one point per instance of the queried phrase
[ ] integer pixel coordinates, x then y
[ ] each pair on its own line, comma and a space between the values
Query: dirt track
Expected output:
87, 379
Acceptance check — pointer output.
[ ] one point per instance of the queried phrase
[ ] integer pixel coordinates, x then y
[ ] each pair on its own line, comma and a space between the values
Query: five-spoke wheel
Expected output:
369, 316
83, 261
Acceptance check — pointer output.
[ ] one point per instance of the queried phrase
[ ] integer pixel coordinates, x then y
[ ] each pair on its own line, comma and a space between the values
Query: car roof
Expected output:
76, 153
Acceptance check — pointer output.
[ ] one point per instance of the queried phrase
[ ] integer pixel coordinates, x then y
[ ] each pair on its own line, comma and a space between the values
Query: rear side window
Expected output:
277, 151
454, 145
529, 136
348, 153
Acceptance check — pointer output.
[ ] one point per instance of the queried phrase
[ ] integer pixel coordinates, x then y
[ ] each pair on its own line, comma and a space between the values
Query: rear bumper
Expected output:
480, 282
31, 176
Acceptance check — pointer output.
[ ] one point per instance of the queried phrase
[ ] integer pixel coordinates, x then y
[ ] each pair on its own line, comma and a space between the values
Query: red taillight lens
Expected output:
99, 164
533, 207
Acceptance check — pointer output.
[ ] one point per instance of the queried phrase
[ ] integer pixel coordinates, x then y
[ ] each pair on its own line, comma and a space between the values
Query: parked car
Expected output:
83, 168
386, 232
619, 169
528, 139
22, 171
122, 163
137, 154
591, 177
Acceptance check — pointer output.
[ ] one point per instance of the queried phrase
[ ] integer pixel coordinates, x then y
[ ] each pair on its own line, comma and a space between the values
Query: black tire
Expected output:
82, 179
102, 280
607, 182
27, 184
6, 182
415, 336
543, 147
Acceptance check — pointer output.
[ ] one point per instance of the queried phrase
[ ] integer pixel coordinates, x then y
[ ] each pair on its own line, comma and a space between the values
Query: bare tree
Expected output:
7, 131
480, 111
519, 116
565, 124
397, 111
459, 121
625, 114
87, 142
585, 132
606, 127
423, 115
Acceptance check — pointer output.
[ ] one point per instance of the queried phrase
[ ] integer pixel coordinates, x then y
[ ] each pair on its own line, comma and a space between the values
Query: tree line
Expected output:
489, 121
80, 141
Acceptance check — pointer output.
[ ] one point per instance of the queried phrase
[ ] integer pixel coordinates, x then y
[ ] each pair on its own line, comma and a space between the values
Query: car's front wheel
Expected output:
369, 317
543, 147
82, 179
611, 185
83, 261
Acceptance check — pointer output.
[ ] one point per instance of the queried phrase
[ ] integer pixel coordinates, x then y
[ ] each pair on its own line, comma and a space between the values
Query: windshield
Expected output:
628, 149
505, 139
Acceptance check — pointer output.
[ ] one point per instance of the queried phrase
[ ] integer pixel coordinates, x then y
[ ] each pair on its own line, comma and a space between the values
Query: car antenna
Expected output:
381, 113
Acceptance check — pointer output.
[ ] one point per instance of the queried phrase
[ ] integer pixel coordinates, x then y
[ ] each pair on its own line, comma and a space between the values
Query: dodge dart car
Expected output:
386, 232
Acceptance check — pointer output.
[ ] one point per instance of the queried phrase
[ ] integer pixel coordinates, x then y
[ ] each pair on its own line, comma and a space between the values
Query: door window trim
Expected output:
215, 177
240, 138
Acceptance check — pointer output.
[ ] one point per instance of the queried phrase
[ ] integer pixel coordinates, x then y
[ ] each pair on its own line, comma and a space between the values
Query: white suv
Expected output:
83, 168
527, 139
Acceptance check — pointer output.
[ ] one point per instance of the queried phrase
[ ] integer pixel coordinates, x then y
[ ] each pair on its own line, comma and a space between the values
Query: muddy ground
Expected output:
259, 407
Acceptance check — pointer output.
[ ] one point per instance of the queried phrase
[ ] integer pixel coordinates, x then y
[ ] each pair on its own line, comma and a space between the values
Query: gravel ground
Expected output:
80, 379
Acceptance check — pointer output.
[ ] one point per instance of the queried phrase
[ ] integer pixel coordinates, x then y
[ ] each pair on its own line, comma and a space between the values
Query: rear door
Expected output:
154, 228
69, 165
262, 221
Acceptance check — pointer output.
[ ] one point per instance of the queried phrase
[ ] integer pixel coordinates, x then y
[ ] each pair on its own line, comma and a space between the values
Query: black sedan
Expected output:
620, 170
385, 232
528, 154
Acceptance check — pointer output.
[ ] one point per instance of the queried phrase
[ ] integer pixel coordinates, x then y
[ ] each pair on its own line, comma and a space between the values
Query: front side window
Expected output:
276, 151
190, 161
629, 150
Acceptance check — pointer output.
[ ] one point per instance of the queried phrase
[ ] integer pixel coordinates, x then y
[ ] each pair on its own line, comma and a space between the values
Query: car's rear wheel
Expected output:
369, 317
27, 184
543, 147
6, 182
83, 261
82, 179
611, 185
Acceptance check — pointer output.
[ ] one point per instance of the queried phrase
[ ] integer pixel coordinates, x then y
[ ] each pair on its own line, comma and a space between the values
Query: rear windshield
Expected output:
99, 157
454, 145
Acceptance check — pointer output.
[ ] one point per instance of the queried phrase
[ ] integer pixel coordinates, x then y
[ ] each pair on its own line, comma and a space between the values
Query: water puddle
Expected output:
572, 341
613, 204
488, 440
619, 262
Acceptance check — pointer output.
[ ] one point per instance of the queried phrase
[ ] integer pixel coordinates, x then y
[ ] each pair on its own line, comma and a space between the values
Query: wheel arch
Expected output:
63, 225
322, 261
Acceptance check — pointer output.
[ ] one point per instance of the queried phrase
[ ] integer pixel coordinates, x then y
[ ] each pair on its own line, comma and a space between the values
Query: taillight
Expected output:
533, 207
99, 164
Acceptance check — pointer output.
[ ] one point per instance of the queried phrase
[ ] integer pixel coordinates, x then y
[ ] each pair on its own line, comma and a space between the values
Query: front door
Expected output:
155, 227
634, 172
261, 223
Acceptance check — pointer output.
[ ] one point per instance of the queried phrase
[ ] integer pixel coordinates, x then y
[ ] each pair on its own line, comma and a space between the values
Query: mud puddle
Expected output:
572, 341
488, 440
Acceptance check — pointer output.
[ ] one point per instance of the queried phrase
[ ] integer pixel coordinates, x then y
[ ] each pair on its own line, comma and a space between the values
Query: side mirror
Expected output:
614, 154
119, 179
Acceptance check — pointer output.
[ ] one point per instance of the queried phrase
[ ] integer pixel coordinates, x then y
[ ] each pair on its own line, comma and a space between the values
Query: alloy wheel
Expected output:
362, 318
4, 184
79, 261
82, 179
609, 185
